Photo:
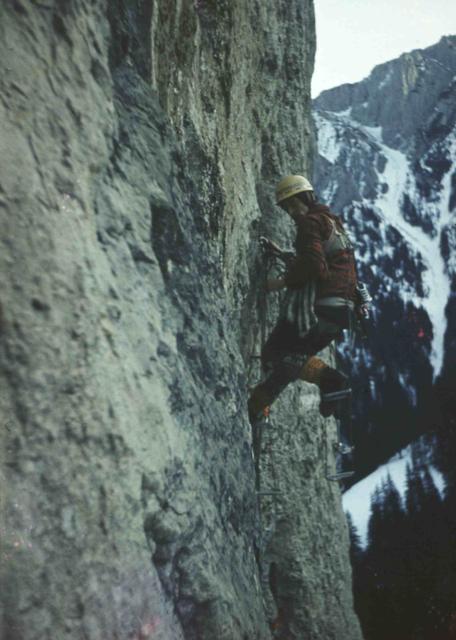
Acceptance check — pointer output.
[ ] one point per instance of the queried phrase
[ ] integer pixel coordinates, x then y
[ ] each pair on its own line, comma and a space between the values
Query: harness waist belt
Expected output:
334, 301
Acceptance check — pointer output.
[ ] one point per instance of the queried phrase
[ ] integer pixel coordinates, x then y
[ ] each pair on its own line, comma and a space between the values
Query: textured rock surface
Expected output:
140, 143
387, 163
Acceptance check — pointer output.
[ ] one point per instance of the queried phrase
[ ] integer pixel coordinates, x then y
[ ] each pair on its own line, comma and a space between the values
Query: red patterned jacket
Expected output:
325, 254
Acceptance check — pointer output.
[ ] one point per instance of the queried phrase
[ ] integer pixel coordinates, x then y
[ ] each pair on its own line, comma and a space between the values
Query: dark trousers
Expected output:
286, 352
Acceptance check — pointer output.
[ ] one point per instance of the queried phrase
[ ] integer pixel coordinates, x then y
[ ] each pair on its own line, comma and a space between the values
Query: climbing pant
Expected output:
286, 353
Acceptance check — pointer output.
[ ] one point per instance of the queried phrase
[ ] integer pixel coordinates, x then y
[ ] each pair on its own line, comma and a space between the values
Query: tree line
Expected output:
405, 579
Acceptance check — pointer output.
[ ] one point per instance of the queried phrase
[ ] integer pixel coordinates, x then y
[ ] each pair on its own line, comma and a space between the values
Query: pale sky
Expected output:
355, 35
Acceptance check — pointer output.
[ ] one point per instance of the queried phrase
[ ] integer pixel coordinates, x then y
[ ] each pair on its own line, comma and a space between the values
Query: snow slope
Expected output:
357, 499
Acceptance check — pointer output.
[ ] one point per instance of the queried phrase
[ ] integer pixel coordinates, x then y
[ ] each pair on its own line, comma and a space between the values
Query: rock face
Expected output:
387, 159
140, 143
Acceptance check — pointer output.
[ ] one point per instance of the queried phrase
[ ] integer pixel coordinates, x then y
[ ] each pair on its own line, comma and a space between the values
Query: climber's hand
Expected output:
275, 284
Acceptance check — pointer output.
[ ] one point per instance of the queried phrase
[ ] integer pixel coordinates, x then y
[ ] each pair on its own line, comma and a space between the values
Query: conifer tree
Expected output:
356, 548
405, 580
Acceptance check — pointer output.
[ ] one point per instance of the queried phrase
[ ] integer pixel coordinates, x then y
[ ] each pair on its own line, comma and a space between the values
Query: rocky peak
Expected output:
406, 96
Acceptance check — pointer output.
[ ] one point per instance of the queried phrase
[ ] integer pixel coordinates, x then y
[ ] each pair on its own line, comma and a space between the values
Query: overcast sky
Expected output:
355, 35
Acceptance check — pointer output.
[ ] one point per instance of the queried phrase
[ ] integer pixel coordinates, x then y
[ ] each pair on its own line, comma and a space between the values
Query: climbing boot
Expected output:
334, 388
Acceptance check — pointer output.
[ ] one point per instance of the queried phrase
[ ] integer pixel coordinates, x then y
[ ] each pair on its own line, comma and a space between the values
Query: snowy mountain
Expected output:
386, 163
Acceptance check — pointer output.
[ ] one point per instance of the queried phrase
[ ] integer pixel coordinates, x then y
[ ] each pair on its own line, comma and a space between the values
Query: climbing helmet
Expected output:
290, 186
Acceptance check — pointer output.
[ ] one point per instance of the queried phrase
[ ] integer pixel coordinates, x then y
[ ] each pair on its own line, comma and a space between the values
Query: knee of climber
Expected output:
312, 370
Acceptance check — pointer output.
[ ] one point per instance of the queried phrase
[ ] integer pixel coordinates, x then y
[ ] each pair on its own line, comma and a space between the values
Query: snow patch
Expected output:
410, 390
374, 132
357, 500
436, 283
385, 80
328, 145
345, 113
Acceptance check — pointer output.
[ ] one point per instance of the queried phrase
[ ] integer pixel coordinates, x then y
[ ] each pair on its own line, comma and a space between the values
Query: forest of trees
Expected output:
405, 579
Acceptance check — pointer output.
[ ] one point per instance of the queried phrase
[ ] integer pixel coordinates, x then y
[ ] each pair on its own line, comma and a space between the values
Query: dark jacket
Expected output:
330, 264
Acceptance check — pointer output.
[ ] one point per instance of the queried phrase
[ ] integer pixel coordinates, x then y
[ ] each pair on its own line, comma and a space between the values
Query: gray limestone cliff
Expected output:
139, 147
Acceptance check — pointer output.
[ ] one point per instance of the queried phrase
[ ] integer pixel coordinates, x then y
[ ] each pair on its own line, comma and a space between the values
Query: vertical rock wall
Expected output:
139, 146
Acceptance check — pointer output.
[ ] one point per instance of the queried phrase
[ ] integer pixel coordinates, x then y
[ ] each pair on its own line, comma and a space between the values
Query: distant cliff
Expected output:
140, 144
387, 162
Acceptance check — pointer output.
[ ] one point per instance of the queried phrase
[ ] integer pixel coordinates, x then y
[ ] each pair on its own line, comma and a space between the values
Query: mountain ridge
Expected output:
395, 88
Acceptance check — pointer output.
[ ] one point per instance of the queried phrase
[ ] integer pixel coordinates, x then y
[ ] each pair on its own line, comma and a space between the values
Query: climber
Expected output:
321, 300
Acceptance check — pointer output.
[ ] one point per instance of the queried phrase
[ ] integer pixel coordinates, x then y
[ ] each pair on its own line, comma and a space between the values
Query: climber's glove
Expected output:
271, 249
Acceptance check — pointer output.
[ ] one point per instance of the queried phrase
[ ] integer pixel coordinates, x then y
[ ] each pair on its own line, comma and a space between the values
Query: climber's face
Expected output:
294, 207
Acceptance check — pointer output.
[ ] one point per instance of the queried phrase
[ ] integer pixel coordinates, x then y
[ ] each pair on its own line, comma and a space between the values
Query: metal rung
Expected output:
335, 477
336, 395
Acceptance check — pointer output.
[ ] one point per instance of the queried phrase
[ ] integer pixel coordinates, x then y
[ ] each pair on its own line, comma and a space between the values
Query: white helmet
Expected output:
290, 186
